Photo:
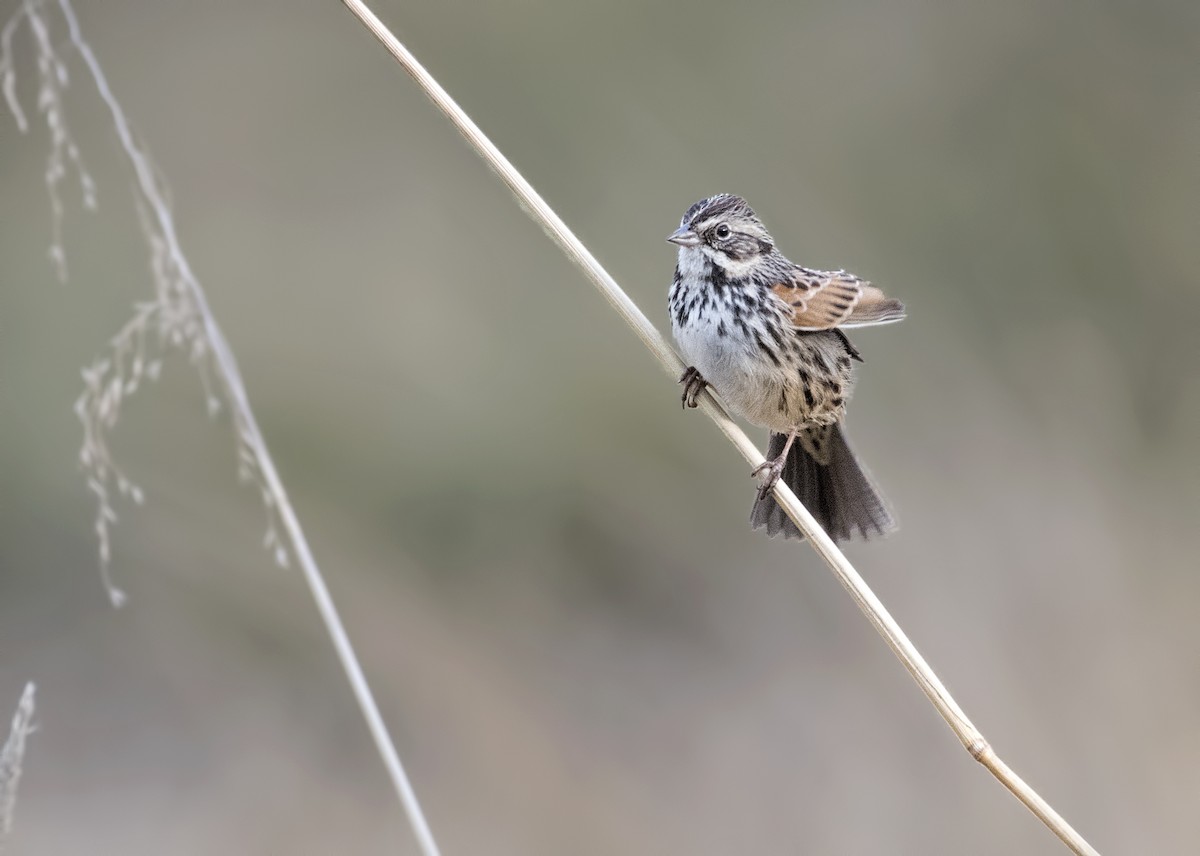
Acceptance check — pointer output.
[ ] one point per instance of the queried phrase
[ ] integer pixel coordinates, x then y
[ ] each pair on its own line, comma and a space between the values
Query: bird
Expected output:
768, 336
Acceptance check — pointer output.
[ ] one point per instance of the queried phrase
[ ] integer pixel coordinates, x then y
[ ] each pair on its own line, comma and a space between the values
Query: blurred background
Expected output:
546, 565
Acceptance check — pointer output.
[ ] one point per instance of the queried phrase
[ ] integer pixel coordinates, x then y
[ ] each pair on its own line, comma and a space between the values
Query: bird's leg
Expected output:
693, 384
773, 469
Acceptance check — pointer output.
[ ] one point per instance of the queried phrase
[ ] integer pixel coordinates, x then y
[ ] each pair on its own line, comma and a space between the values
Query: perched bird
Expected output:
767, 335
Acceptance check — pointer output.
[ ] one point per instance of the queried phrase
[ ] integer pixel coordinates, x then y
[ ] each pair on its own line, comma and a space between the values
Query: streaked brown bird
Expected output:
768, 336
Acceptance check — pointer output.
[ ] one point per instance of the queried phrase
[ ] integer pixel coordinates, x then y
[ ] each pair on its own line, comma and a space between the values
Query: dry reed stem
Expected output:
178, 317
866, 600
12, 754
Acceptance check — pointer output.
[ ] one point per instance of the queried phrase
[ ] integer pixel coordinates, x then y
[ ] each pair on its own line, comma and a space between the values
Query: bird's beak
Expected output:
685, 237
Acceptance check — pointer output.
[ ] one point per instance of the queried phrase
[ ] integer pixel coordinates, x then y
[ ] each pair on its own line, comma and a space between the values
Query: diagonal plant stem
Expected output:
192, 323
232, 379
972, 740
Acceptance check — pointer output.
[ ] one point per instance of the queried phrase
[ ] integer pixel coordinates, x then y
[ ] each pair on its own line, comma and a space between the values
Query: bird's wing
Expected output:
822, 300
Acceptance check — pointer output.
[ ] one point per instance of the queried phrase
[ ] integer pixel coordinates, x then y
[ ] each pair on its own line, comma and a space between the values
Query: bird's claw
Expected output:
771, 471
693, 384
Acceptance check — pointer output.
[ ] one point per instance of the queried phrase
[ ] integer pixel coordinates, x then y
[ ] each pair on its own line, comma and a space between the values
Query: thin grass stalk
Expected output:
870, 605
230, 379
12, 757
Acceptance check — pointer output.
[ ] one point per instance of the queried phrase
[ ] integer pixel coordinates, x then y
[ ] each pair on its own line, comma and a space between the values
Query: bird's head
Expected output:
725, 230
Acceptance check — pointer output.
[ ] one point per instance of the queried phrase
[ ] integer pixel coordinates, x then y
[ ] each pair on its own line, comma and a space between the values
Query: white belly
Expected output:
730, 358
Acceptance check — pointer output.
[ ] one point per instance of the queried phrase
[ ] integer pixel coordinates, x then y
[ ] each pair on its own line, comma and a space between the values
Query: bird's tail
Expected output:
839, 494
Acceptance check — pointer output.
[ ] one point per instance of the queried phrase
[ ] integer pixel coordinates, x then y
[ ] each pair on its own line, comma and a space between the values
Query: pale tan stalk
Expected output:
866, 600
239, 401
182, 316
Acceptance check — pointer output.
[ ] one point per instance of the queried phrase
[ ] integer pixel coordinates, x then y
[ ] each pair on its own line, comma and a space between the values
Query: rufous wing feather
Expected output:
822, 300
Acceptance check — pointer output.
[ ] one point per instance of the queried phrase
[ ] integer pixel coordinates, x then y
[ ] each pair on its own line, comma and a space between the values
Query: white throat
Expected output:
693, 263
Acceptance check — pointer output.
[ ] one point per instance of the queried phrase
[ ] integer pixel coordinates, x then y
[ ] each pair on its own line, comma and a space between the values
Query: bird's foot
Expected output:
693, 384
770, 472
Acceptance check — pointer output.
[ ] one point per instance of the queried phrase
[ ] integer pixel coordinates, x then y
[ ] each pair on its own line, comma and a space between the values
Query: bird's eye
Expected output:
722, 231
